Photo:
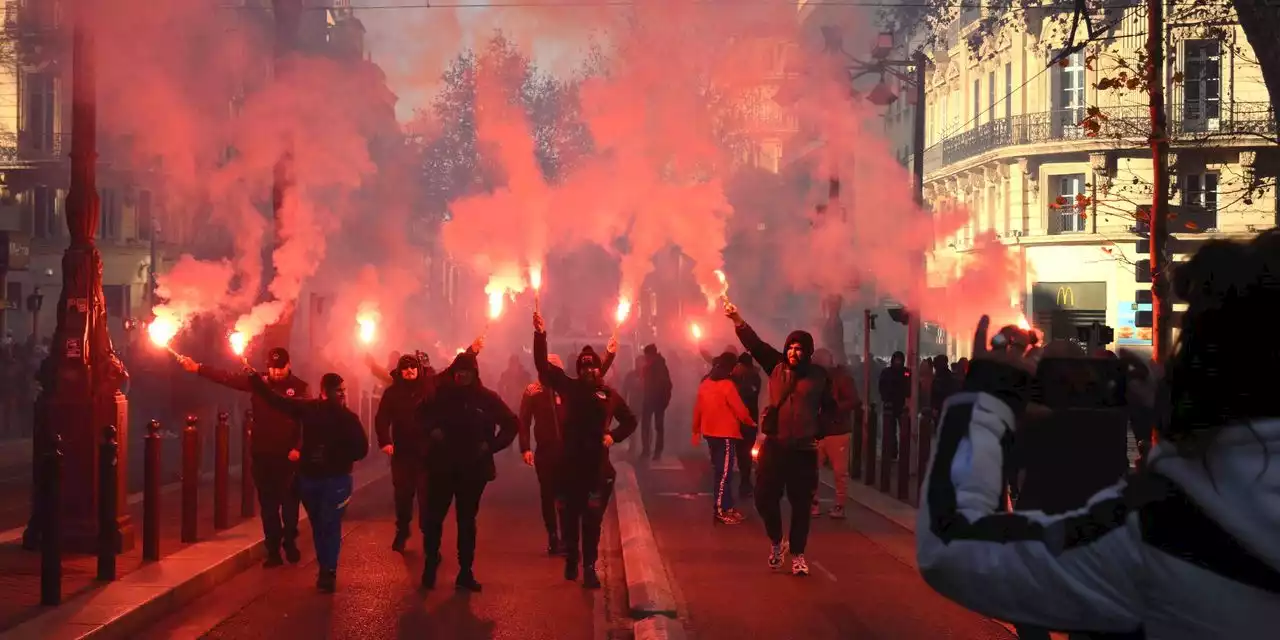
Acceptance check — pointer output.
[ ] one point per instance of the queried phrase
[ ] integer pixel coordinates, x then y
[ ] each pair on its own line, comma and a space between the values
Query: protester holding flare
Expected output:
276, 435
333, 440
799, 393
586, 476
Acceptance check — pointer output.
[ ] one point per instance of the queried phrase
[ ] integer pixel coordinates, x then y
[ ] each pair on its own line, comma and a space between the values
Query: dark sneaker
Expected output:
327, 581
836, 513
273, 560
292, 554
467, 582
554, 548
589, 578
815, 509
401, 538
728, 517
776, 553
570, 571
429, 573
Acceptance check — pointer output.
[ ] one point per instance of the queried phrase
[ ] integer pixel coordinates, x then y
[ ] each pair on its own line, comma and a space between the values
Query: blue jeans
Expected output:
325, 500
723, 459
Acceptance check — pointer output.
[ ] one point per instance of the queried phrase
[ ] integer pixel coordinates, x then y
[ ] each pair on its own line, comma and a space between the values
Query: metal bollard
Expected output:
51, 527
904, 457
869, 446
151, 493
924, 449
221, 470
108, 497
246, 465
855, 443
886, 454
190, 478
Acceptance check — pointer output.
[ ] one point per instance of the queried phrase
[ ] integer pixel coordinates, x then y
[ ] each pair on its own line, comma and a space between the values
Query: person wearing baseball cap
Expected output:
274, 449
401, 437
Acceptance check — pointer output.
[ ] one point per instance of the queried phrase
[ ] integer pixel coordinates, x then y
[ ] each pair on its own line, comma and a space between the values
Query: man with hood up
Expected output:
585, 476
657, 397
274, 446
542, 416
402, 438
466, 424
799, 394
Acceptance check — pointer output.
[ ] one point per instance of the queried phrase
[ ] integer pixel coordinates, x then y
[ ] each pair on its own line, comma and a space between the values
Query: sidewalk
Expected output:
144, 591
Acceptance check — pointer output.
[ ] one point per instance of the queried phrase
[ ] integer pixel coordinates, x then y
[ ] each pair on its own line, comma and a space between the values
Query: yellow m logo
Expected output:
1066, 297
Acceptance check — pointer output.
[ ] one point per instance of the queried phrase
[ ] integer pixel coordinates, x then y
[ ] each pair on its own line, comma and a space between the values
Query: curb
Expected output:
126, 607
650, 598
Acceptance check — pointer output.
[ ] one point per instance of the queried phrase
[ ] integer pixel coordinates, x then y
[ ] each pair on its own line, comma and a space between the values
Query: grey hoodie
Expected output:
1117, 565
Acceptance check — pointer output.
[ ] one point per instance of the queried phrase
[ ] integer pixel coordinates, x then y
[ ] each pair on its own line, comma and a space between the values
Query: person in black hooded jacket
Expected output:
466, 424
586, 475
401, 437
799, 394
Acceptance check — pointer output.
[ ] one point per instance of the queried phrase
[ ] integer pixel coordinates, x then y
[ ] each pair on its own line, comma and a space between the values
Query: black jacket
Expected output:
801, 418
895, 387
275, 432
396, 420
465, 426
589, 409
332, 437
657, 382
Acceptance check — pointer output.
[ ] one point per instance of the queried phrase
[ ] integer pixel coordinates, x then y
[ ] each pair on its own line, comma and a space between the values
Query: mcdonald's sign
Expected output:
1069, 296
1065, 298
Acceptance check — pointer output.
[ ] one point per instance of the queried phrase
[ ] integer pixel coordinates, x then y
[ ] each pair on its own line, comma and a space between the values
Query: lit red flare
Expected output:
696, 331
162, 331
535, 277
238, 341
624, 310
367, 328
495, 304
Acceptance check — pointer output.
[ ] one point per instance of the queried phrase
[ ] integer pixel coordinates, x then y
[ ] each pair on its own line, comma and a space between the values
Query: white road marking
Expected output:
824, 571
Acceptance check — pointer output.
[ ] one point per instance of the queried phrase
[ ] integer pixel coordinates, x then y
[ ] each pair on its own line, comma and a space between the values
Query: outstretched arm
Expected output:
548, 373
293, 407
237, 381
611, 353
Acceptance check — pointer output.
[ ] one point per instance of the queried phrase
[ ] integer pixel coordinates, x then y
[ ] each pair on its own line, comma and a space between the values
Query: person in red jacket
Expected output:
276, 439
719, 415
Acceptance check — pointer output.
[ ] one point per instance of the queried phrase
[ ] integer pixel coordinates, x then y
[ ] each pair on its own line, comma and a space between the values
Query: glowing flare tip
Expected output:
1023, 324
495, 304
624, 310
238, 342
162, 330
696, 330
368, 329
535, 277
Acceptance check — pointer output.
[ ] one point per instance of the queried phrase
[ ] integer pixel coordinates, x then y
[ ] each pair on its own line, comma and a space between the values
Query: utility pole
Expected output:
1161, 308
288, 20
917, 171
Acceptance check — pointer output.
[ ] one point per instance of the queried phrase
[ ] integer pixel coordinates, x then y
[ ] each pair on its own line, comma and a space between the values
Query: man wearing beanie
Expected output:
400, 437
799, 393
466, 424
585, 477
276, 437
333, 440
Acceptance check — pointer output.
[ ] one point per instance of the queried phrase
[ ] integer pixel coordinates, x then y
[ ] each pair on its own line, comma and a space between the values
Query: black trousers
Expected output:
546, 462
893, 416
443, 490
793, 473
276, 479
408, 480
581, 519
653, 421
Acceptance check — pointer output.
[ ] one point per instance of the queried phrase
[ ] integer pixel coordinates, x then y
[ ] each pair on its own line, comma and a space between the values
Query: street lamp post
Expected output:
81, 378
35, 302
882, 96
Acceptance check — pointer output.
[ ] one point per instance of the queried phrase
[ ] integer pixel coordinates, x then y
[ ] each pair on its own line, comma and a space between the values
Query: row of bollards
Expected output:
49, 473
872, 455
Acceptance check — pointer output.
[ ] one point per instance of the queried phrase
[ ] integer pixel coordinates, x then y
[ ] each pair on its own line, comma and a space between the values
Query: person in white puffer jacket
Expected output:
1189, 547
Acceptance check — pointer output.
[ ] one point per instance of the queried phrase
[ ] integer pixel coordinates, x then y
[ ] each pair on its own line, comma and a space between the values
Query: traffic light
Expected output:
1144, 296
900, 315
1142, 270
1142, 319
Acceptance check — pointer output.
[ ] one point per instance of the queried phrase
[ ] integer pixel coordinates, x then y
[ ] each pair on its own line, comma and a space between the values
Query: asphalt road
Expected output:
861, 584
525, 595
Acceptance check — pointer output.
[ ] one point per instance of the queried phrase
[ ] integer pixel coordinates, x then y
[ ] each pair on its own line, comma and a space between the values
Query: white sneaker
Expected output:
798, 566
776, 553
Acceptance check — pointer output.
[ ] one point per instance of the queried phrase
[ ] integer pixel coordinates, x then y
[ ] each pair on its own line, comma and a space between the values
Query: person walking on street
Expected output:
542, 413
466, 424
798, 395
657, 397
333, 440
747, 378
401, 437
275, 435
837, 429
719, 415
895, 391
586, 476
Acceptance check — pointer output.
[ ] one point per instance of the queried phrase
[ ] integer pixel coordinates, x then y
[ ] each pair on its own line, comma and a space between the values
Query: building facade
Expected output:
1051, 161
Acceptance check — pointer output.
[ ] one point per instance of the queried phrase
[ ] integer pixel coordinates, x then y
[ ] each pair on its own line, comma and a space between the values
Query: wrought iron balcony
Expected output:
1130, 123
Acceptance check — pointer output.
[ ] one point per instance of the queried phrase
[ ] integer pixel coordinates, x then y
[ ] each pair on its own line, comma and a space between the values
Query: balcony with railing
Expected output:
1132, 123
